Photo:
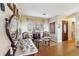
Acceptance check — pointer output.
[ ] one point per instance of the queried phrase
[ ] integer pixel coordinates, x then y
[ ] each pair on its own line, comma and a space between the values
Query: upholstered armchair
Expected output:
25, 35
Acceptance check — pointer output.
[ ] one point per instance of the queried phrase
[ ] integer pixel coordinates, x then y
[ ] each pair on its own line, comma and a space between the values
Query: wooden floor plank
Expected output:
66, 48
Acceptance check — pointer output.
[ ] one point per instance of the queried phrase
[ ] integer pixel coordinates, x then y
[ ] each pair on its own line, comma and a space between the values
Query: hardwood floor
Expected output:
66, 48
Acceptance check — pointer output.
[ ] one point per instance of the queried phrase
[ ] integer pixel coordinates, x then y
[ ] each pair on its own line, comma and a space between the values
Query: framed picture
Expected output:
52, 27
2, 6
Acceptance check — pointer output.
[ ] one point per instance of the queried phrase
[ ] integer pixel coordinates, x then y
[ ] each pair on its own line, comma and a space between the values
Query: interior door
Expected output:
64, 30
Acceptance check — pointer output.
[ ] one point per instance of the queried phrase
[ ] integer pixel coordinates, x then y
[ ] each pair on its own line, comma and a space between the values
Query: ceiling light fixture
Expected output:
44, 14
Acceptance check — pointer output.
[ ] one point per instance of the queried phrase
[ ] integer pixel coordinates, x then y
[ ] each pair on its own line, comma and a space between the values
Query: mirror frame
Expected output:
14, 9
8, 21
15, 12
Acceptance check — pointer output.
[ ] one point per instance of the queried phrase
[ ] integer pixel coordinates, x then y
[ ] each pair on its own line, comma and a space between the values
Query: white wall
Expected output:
53, 19
75, 17
58, 28
4, 41
77, 29
70, 29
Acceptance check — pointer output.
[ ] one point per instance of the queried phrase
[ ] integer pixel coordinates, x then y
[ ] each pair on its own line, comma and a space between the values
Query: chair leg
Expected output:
38, 44
49, 43
45, 42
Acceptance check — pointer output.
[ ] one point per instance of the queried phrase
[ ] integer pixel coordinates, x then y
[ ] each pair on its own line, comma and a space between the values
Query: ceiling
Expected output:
49, 9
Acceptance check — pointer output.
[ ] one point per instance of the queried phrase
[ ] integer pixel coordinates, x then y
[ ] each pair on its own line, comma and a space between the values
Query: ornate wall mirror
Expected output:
12, 28
12, 23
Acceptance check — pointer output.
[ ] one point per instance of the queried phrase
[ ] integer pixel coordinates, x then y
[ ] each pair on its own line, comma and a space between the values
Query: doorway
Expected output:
64, 30
73, 31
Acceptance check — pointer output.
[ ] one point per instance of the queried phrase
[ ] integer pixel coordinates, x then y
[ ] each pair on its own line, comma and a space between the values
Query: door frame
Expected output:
63, 31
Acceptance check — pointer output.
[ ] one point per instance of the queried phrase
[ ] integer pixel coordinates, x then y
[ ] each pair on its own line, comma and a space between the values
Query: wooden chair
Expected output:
46, 38
36, 39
